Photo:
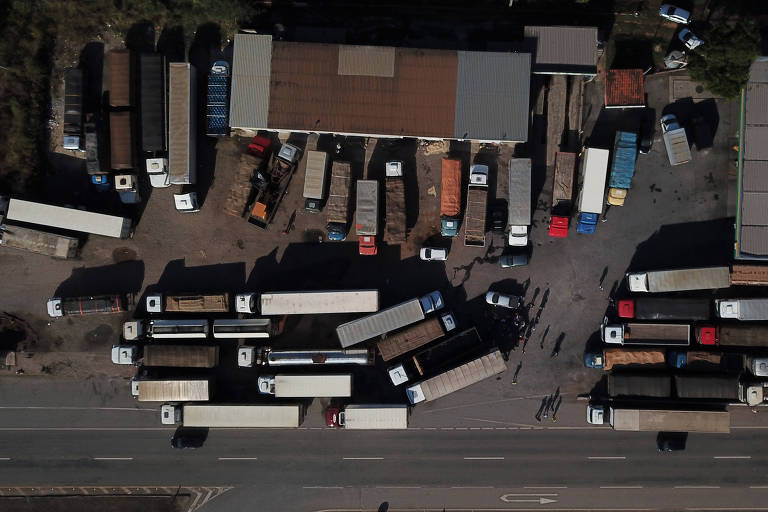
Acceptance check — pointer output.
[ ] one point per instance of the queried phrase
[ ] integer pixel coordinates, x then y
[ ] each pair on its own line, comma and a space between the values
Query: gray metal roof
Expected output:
757, 102
755, 176
492, 96
563, 50
251, 63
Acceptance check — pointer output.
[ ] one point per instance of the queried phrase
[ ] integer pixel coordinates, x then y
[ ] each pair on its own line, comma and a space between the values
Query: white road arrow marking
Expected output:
513, 498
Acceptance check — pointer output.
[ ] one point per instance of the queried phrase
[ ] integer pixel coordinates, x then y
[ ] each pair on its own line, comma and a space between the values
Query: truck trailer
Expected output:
170, 390
181, 356
306, 386
251, 164
733, 335
182, 124
70, 219
40, 242
614, 357
189, 303
314, 180
120, 141
656, 420
73, 109
119, 69
562, 194
477, 204
368, 417
519, 213
645, 384
165, 329
82, 306
367, 216
662, 308
152, 105
410, 338
269, 357
622, 168
338, 201
394, 227
679, 280
594, 166
697, 360
742, 309
708, 387
271, 189
749, 275
308, 302
232, 416
647, 334
448, 352
450, 196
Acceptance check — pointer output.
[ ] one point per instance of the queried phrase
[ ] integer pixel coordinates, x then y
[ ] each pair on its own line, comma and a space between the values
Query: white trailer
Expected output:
68, 218
655, 420
742, 309
519, 215
267, 356
308, 303
182, 124
314, 180
170, 390
367, 216
306, 386
374, 417
659, 281
594, 170
165, 329
232, 416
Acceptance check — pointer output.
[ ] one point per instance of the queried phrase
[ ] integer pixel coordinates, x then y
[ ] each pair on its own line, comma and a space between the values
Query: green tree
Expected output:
722, 62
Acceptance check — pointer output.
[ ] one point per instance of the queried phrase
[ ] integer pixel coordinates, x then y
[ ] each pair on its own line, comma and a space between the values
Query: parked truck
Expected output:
387, 320
40, 242
708, 387
622, 168
645, 384
410, 338
656, 420
647, 334
120, 141
314, 180
308, 302
232, 416
179, 356
675, 140
165, 329
271, 189
73, 109
127, 188
458, 378
82, 306
367, 216
659, 281
477, 203
733, 335
562, 194
435, 358
753, 393
368, 417
662, 308
120, 80
594, 166
182, 124
70, 219
189, 303
338, 201
152, 104
749, 275
92, 159
450, 197
251, 164
217, 101
394, 228
519, 206
170, 390
697, 360
267, 356
742, 309
306, 386
613, 357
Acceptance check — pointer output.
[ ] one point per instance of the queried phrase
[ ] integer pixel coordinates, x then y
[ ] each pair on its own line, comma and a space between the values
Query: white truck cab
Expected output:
154, 304
135, 388
246, 356
127, 188
595, 414
518, 236
246, 303
613, 334
157, 170
54, 307
449, 322
186, 203
638, 281
124, 354
398, 375
727, 308
415, 394
478, 175
170, 414
266, 384
133, 330
289, 153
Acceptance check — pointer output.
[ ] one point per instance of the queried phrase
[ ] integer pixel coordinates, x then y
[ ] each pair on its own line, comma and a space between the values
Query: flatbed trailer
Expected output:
410, 338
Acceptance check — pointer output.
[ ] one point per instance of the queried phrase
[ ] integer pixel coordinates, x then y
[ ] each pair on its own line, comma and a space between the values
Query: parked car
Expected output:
515, 259
646, 135
669, 122
503, 300
499, 216
676, 14
433, 254
689, 39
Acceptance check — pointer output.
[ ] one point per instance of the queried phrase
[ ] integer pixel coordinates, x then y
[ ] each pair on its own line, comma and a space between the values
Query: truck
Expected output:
697, 360
446, 353
612, 357
92, 160
73, 109
217, 100
308, 302
733, 335
268, 356
395, 227
663, 308
271, 188
251, 164
120, 141
338, 201
594, 166
519, 213
368, 417
675, 140
189, 303
708, 387
367, 216
458, 378
91, 305
390, 319
70, 219
182, 124
410, 338
40, 242
150, 390
660, 281
647, 334
152, 104
232, 416
314, 180
127, 188
450, 197
119, 66
306, 386
749, 275
622, 168
742, 309
657, 420
562, 194
647, 384
165, 329
477, 203
753, 393
178, 356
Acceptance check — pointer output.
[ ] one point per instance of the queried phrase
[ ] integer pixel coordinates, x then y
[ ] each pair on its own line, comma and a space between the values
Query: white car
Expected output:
433, 254
689, 39
503, 300
675, 14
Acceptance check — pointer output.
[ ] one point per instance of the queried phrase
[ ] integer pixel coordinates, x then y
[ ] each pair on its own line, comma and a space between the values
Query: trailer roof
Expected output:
519, 191
319, 302
67, 218
595, 169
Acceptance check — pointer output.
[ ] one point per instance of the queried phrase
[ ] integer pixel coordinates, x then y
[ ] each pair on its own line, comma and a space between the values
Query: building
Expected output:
379, 91
752, 182
563, 50
624, 88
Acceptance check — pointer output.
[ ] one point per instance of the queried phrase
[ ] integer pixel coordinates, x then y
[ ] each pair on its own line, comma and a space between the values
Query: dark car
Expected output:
499, 216
514, 259
189, 437
671, 441
646, 135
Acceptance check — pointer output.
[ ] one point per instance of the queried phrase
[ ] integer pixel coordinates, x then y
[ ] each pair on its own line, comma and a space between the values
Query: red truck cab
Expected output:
707, 335
332, 417
558, 226
367, 245
626, 308
260, 146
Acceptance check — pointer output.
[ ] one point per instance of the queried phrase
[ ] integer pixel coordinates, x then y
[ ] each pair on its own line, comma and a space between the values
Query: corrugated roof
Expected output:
624, 88
755, 176
492, 93
755, 142
563, 50
119, 63
754, 208
754, 242
367, 60
757, 103
251, 68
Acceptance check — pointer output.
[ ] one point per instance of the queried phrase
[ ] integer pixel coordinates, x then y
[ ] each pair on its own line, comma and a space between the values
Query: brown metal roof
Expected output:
119, 62
307, 93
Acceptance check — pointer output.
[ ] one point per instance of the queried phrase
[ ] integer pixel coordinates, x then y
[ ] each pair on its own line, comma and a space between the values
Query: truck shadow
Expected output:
125, 277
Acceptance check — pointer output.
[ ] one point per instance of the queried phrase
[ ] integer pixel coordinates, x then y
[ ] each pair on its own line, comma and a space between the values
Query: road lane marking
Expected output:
545, 487
472, 487
238, 458
5, 459
83, 429
363, 458
322, 487
621, 486
113, 458
398, 487
607, 458
697, 487
758, 486
37, 407
532, 494
509, 498
483, 458
732, 457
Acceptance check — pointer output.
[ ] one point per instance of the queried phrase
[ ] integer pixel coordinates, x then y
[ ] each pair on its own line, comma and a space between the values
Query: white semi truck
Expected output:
165, 329
306, 386
248, 355
656, 420
232, 416
314, 180
742, 309
519, 215
308, 302
368, 417
678, 280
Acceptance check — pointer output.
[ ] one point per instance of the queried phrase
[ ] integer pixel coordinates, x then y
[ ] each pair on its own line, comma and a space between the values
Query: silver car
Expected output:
676, 14
503, 300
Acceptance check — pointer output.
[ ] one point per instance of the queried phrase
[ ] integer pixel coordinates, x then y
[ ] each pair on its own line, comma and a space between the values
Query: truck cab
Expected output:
246, 356
54, 307
126, 186
558, 226
246, 303
613, 333
289, 153
449, 226
186, 203
125, 354
593, 360
587, 223
266, 384
397, 374
432, 302
638, 281
727, 308
100, 182
518, 236
170, 414
595, 414
707, 335
157, 170
367, 245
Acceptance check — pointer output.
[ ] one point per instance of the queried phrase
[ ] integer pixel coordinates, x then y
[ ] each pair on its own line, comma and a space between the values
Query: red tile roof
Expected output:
624, 88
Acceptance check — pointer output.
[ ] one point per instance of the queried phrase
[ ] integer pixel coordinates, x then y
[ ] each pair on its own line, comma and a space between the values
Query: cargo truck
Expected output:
267, 356
594, 166
658, 308
410, 338
675, 140
368, 417
82, 306
367, 216
189, 303
647, 384
217, 101
73, 109
251, 164
271, 189
706, 361
232, 416
170, 390
387, 320
647, 334
753, 393
519, 207
655, 420
308, 302
450, 197
708, 387
446, 353
338, 201
394, 227
306, 386
562, 194
40, 242
182, 124
749, 275
458, 378
92, 160
119, 70
70, 219
314, 180
742, 309
659, 281
611, 358
152, 106
622, 168
165, 329
127, 188
730, 335
477, 203
120, 141
179, 356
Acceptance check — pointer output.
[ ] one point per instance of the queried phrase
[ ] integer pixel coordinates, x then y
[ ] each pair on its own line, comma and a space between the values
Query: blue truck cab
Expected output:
337, 232
593, 360
587, 223
100, 182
